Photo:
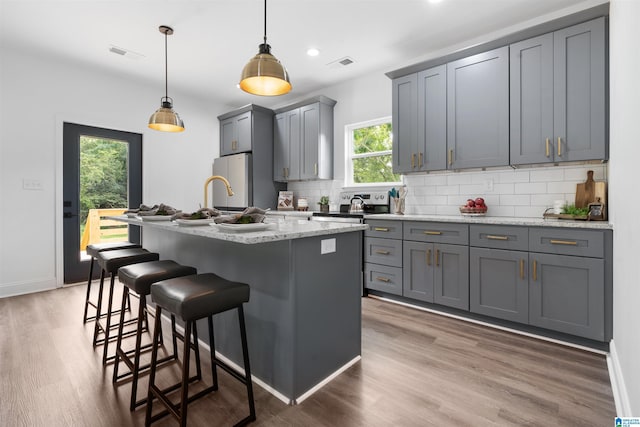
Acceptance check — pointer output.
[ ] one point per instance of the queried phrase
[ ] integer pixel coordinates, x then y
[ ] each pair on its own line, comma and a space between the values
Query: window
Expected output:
369, 153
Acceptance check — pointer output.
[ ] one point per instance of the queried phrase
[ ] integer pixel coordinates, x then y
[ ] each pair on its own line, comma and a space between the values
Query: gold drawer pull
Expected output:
535, 270
380, 229
382, 279
433, 233
563, 242
547, 148
428, 256
381, 252
521, 269
492, 237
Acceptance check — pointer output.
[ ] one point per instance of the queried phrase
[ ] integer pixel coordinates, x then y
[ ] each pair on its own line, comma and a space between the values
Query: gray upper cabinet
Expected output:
419, 119
432, 119
558, 96
404, 120
241, 129
303, 141
478, 110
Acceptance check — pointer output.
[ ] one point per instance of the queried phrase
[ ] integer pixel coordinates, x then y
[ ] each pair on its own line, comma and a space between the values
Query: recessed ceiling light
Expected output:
312, 51
434, 1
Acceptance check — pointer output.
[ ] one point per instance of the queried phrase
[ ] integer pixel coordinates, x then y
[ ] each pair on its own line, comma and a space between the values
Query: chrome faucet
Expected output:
211, 178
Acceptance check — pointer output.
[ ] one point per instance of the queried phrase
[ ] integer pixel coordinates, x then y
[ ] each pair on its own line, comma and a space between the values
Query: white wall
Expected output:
38, 93
624, 81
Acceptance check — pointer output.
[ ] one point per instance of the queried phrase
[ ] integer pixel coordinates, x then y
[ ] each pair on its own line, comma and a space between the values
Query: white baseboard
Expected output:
620, 396
21, 288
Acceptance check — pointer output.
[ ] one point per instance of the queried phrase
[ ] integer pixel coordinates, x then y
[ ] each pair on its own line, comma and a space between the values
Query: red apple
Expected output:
470, 203
479, 202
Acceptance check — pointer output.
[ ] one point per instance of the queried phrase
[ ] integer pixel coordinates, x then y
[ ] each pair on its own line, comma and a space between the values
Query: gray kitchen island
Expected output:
304, 313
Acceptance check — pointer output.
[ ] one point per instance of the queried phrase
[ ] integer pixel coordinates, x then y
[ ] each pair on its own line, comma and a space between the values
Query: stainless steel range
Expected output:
354, 205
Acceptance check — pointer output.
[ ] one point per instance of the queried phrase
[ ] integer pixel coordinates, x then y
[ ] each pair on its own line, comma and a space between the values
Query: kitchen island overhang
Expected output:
304, 313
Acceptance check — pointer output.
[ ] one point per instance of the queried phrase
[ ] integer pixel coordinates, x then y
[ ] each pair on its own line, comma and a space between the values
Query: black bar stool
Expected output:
92, 251
110, 262
138, 278
192, 298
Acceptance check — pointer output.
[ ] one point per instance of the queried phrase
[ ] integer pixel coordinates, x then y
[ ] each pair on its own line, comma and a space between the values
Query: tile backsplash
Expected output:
522, 192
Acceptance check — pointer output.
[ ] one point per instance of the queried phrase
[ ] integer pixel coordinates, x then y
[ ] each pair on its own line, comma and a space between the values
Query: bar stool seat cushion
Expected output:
111, 261
94, 248
197, 296
139, 277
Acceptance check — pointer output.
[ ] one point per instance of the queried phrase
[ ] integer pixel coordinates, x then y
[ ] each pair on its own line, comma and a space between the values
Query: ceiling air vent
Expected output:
125, 52
340, 63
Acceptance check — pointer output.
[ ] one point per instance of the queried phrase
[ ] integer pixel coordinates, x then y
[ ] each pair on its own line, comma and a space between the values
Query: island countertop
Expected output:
276, 230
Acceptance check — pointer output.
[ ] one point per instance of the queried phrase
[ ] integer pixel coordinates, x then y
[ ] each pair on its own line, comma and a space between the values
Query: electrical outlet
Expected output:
327, 246
31, 184
488, 185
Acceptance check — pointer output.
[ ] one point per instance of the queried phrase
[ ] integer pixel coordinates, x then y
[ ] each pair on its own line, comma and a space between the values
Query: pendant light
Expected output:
165, 119
264, 74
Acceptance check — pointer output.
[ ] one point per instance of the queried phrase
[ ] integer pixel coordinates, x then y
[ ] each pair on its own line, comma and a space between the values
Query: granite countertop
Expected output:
276, 230
497, 220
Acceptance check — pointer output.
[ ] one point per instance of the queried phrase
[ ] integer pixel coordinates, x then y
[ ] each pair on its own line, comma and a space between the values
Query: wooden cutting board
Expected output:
590, 191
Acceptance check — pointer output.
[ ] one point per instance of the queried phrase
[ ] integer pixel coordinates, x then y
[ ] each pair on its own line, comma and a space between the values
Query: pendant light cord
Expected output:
265, 22
166, 68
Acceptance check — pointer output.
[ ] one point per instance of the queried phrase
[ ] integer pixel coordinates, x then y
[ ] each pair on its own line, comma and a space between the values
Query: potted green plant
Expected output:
324, 204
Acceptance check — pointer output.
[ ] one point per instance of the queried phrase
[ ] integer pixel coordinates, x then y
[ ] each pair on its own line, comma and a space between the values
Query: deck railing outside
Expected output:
100, 229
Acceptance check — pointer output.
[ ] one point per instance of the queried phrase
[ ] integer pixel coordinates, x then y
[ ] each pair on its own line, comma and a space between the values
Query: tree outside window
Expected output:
369, 156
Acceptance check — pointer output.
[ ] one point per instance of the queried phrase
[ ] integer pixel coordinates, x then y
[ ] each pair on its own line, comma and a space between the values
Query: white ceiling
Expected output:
214, 39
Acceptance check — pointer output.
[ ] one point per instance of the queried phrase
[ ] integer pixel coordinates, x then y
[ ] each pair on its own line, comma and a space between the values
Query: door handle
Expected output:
547, 148
413, 160
437, 257
535, 270
428, 256
420, 160
521, 269
559, 146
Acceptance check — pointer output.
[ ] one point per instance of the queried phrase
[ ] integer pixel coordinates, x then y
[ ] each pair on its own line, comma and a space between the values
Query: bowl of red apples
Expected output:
474, 207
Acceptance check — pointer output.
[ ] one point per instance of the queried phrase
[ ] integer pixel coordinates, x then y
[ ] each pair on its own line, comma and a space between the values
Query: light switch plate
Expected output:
327, 246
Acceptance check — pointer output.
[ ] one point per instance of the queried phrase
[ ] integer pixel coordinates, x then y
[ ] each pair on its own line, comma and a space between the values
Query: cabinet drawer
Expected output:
437, 232
499, 237
587, 243
382, 228
383, 251
383, 278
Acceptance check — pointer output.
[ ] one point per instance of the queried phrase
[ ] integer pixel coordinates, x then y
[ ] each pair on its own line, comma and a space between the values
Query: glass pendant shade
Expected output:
165, 119
264, 75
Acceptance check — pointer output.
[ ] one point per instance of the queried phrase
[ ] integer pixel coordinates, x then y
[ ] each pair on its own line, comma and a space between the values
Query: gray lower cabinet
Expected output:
478, 110
498, 283
557, 103
383, 256
436, 273
566, 294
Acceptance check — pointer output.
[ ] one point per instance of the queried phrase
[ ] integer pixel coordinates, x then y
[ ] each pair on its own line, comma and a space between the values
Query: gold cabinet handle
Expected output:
437, 257
559, 146
433, 233
535, 270
428, 256
563, 242
492, 237
382, 279
450, 157
521, 269
315, 169
381, 252
413, 160
380, 229
420, 160
234, 145
547, 148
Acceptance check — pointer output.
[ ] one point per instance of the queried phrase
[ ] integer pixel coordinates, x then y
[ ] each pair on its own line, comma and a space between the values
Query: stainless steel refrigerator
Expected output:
252, 184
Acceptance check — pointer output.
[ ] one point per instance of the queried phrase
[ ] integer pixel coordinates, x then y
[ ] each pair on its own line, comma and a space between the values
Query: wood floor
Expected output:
417, 369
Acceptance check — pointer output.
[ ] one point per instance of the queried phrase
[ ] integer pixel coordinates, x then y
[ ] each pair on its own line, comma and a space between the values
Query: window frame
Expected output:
350, 155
